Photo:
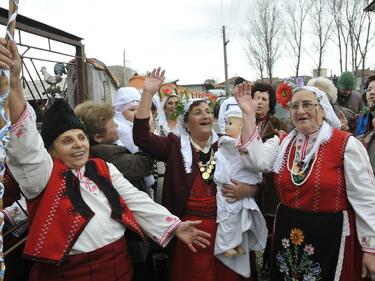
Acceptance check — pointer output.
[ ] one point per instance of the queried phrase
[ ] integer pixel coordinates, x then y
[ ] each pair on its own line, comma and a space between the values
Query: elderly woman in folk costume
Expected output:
79, 209
167, 120
189, 191
325, 224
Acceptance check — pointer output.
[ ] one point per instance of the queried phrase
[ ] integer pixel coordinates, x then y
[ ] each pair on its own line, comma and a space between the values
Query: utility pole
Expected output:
225, 42
125, 74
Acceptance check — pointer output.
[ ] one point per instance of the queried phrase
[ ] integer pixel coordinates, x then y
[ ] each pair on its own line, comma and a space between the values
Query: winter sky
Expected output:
182, 36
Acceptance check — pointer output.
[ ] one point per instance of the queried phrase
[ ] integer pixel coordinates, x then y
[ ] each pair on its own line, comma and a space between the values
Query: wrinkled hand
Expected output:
238, 190
344, 122
10, 58
368, 266
191, 236
153, 81
244, 99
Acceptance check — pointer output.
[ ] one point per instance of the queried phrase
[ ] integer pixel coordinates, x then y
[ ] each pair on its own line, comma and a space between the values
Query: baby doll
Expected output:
241, 226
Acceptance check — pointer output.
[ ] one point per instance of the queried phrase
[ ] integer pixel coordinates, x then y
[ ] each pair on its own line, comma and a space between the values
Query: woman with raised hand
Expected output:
189, 191
325, 224
79, 208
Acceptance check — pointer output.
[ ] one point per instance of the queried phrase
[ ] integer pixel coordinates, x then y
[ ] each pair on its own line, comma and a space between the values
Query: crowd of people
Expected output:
96, 209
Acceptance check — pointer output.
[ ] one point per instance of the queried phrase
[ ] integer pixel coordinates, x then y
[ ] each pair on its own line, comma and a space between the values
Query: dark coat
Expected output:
134, 167
267, 197
177, 183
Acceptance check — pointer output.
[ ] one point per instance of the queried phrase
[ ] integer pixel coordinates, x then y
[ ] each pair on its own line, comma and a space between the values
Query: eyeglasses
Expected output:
307, 106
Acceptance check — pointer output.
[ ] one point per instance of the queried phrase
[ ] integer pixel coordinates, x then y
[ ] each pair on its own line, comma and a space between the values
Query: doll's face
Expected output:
233, 126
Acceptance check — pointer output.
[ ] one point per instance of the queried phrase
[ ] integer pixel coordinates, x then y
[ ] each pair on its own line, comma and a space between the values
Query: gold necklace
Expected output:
207, 168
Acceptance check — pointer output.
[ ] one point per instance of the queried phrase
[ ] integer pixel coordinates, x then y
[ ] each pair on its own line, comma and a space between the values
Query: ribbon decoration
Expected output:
4, 120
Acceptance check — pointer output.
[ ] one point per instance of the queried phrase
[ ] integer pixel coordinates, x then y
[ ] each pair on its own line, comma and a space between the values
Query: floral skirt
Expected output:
307, 245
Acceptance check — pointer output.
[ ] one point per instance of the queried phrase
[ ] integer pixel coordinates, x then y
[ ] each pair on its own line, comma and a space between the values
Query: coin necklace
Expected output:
207, 169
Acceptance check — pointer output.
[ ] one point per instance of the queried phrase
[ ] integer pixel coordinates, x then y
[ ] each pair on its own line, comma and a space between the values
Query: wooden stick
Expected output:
4, 89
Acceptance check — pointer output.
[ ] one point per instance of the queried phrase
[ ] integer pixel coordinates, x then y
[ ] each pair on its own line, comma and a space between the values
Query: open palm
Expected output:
154, 80
244, 99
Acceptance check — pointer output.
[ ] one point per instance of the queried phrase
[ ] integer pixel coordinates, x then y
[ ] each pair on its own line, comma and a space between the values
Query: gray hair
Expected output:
325, 85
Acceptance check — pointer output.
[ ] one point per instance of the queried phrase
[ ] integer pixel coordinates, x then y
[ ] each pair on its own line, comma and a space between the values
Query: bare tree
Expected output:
254, 57
361, 33
337, 8
354, 31
262, 40
295, 14
321, 25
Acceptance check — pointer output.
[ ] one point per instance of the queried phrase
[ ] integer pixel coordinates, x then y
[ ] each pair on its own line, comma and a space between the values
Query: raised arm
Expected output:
152, 84
156, 146
27, 159
260, 156
248, 107
10, 60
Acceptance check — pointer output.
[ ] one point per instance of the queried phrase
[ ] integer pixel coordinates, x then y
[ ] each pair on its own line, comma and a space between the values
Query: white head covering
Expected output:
162, 116
233, 111
186, 151
329, 115
125, 98
325, 131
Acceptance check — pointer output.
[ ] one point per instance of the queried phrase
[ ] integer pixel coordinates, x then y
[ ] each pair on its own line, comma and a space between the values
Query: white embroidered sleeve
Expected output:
360, 188
155, 220
258, 155
28, 160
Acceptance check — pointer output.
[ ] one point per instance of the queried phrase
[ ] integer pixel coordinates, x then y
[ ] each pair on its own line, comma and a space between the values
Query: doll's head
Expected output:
233, 122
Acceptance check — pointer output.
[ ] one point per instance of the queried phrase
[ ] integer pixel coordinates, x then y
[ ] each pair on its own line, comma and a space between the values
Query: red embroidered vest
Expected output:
59, 214
325, 188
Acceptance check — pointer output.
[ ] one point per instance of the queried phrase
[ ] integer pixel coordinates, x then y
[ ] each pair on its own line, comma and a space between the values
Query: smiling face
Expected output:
71, 148
307, 114
263, 100
170, 105
199, 121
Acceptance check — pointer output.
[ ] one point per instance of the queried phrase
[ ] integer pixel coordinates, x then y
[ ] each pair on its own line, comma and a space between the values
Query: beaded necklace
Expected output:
299, 172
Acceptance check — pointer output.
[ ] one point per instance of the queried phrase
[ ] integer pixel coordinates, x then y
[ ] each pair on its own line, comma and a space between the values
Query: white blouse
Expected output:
360, 182
31, 165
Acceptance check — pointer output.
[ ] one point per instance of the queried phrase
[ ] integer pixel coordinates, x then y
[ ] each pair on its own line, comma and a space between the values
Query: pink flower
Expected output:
167, 91
309, 249
169, 219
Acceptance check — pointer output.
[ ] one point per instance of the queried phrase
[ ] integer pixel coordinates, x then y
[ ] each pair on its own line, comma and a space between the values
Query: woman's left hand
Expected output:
368, 266
153, 81
191, 236
238, 190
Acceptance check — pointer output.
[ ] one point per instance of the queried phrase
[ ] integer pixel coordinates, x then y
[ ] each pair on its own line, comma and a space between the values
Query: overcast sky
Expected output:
184, 37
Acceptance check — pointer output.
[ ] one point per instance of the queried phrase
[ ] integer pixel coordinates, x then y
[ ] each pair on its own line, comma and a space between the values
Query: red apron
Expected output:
200, 266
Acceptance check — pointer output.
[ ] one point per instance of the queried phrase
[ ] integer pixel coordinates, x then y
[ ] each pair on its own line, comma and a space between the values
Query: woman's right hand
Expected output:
153, 81
244, 99
10, 58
